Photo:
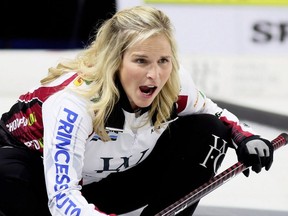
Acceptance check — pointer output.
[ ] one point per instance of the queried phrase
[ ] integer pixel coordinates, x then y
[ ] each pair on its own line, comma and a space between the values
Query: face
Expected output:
145, 69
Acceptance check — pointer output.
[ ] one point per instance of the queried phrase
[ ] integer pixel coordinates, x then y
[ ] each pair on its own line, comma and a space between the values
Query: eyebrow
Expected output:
145, 56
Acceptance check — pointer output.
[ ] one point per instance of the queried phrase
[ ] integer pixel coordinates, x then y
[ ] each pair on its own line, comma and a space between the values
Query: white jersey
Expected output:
57, 122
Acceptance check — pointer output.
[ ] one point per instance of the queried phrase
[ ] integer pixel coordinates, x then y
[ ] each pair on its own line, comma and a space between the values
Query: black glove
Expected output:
255, 152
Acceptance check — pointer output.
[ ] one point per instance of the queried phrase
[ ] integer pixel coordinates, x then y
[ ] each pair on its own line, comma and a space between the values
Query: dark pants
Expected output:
185, 156
22, 186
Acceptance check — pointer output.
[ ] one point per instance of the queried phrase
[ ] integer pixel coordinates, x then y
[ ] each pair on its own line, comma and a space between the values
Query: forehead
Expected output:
156, 43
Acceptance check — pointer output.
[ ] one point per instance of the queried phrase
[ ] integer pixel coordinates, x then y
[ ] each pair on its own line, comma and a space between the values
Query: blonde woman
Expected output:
120, 127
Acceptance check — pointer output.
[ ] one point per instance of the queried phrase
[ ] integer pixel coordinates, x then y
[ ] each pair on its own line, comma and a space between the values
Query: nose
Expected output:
153, 72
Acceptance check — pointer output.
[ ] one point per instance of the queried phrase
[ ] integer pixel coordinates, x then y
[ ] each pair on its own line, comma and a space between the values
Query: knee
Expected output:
203, 123
197, 133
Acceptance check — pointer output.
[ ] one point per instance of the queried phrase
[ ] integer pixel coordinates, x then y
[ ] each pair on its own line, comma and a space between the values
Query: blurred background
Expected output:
236, 51
51, 24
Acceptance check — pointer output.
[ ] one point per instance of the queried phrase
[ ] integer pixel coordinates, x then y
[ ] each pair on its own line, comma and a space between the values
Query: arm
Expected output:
251, 148
67, 125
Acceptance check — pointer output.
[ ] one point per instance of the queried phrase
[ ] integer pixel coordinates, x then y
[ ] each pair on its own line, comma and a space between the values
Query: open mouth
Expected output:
147, 90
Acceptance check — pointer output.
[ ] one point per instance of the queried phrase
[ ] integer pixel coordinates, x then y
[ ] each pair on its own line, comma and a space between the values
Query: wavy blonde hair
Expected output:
101, 61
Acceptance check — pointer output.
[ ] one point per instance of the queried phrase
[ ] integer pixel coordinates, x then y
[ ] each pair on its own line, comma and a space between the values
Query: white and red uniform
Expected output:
56, 120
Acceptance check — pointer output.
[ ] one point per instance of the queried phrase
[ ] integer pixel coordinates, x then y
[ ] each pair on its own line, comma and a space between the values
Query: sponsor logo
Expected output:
35, 144
78, 81
112, 133
265, 32
216, 153
125, 164
62, 159
22, 122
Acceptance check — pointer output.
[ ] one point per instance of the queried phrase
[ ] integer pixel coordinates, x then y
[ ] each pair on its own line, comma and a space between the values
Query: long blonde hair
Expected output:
101, 61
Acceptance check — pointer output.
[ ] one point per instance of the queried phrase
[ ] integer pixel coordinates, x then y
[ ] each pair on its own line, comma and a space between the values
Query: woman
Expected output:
120, 127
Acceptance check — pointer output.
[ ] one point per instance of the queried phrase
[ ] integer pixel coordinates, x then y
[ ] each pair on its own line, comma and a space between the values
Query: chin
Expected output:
143, 105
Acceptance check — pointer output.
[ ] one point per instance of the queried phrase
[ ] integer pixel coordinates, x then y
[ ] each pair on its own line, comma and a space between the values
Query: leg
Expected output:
185, 156
22, 183
191, 152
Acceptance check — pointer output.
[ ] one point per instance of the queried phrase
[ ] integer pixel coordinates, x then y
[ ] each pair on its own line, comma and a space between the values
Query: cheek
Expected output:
127, 78
165, 77
130, 73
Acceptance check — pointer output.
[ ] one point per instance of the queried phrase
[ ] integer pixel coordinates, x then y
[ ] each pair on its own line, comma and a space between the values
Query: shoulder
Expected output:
66, 92
67, 104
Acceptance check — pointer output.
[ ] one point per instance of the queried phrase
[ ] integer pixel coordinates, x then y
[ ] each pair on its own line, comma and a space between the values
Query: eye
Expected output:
164, 60
140, 60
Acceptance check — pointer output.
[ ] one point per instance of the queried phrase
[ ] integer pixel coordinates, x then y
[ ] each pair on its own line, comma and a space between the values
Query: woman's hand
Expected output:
255, 152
